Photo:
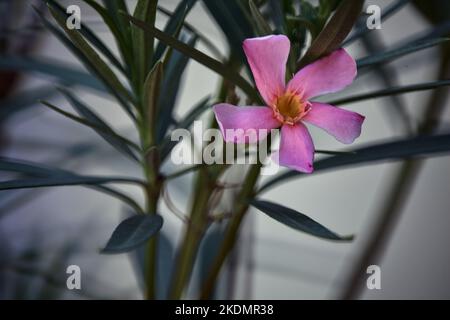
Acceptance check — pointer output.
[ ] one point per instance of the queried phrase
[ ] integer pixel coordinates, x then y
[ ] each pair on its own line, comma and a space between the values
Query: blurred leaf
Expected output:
334, 32
51, 68
91, 37
234, 23
142, 45
386, 13
114, 7
93, 60
396, 150
173, 26
261, 24
190, 28
151, 97
118, 36
23, 100
104, 132
37, 170
389, 55
133, 232
107, 133
62, 181
296, 220
170, 88
391, 91
200, 57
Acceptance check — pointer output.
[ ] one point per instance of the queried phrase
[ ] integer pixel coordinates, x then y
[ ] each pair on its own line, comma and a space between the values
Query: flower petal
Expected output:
267, 57
344, 125
326, 75
244, 124
296, 148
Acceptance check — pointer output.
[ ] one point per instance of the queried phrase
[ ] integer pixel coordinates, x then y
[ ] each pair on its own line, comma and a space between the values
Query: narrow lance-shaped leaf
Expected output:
200, 57
391, 91
296, 220
133, 233
334, 32
94, 61
95, 126
91, 37
121, 41
390, 55
92, 117
38, 170
203, 38
261, 24
151, 97
396, 150
174, 70
63, 181
174, 24
53, 69
143, 45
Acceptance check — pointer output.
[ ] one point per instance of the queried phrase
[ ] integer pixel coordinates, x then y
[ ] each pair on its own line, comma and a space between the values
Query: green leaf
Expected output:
234, 23
190, 28
174, 24
133, 233
94, 62
151, 97
114, 8
390, 55
107, 133
63, 181
35, 170
174, 70
396, 150
121, 41
142, 45
261, 24
200, 57
391, 91
53, 69
296, 220
91, 37
103, 131
334, 32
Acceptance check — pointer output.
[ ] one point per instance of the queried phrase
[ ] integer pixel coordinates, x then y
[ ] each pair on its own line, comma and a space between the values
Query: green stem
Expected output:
231, 234
193, 235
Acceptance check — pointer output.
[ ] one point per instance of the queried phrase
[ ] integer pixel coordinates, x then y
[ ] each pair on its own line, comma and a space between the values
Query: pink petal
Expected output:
244, 124
329, 74
344, 125
296, 148
267, 57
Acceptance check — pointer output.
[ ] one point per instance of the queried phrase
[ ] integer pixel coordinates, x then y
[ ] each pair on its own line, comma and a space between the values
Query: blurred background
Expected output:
42, 231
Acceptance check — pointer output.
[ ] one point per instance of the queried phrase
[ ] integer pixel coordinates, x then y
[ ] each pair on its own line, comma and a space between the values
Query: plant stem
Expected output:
193, 235
231, 234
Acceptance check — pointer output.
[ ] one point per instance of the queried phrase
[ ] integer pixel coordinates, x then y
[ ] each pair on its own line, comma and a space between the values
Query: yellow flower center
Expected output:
290, 108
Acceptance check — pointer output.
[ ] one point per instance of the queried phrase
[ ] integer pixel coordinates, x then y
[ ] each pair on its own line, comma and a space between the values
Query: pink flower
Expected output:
288, 106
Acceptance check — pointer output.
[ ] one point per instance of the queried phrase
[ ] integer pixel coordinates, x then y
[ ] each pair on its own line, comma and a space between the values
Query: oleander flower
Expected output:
289, 106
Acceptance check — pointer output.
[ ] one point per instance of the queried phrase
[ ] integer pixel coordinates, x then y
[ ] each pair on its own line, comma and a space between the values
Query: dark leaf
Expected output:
200, 57
296, 220
334, 32
391, 91
261, 24
133, 232
396, 150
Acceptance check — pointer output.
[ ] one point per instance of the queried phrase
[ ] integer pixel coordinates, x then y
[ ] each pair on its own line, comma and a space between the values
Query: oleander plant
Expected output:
283, 59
